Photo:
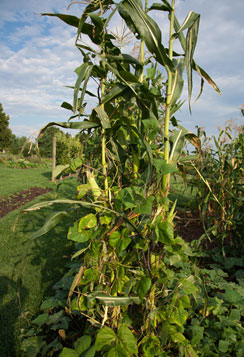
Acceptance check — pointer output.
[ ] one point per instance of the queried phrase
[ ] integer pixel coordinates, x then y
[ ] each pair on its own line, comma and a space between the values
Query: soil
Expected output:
188, 224
10, 203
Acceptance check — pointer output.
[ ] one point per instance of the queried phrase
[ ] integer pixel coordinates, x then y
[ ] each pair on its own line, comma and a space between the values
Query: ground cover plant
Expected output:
133, 287
28, 269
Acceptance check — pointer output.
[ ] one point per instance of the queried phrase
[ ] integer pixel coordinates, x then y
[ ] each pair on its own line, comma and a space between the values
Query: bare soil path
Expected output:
12, 202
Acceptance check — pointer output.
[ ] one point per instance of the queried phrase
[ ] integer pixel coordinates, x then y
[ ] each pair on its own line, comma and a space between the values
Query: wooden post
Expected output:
54, 158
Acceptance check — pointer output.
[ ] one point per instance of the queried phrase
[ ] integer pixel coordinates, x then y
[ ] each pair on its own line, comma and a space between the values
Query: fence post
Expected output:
54, 158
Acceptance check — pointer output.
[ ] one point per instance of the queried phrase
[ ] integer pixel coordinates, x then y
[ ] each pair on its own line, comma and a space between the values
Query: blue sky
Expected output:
38, 59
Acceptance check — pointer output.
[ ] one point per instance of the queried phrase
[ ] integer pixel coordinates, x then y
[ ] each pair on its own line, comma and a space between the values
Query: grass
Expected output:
14, 180
28, 269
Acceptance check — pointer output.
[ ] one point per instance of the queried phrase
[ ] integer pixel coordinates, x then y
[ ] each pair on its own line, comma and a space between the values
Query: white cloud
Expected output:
38, 58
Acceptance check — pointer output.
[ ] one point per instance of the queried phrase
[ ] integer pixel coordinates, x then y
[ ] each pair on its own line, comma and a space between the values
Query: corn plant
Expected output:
133, 279
219, 182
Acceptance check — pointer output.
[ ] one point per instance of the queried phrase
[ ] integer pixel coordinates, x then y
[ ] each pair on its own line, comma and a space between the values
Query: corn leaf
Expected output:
146, 27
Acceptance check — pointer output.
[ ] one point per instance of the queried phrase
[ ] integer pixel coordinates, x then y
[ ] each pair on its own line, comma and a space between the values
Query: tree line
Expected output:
68, 147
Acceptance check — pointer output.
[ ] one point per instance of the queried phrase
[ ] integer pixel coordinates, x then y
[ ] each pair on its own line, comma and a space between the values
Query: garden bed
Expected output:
12, 202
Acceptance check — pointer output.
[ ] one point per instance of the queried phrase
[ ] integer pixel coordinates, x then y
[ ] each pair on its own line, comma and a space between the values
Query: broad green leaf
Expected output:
143, 287
117, 351
197, 332
235, 314
75, 164
127, 340
90, 352
105, 339
119, 242
103, 116
87, 222
162, 167
83, 190
178, 316
68, 352
68, 19
151, 127
188, 287
41, 319
89, 275
224, 345
146, 27
178, 337
50, 223
145, 206
76, 235
165, 233
59, 169
82, 344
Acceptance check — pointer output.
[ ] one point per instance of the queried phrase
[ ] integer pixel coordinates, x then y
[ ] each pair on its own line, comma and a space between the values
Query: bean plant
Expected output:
133, 283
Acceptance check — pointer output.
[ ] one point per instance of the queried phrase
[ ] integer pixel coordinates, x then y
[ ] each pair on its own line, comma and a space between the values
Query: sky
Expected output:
38, 58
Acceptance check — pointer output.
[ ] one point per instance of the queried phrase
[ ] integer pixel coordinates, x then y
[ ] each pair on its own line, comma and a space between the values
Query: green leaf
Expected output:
114, 93
76, 235
105, 339
127, 340
119, 242
161, 7
145, 206
59, 169
189, 21
50, 223
67, 106
188, 287
162, 167
117, 351
165, 233
143, 287
87, 222
75, 164
82, 344
224, 346
68, 352
191, 41
90, 352
197, 332
117, 300
146, 27
41, 319
179, 316
84, 72
103, 117
68, 19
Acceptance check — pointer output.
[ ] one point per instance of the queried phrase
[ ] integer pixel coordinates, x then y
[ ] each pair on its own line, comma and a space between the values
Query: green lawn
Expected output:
14, 180
28, 269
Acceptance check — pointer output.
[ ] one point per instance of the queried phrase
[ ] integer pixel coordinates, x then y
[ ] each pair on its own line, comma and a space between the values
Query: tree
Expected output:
5, 132
46, 141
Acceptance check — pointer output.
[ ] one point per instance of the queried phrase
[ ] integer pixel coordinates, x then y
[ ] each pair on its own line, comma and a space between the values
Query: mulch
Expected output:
12, 202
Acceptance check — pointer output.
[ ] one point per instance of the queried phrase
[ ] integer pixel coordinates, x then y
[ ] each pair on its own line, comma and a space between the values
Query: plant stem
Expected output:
166, 178
104, 163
